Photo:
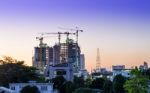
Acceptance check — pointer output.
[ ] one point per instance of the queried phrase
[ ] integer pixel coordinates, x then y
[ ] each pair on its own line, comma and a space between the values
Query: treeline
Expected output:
14, 71
137, 83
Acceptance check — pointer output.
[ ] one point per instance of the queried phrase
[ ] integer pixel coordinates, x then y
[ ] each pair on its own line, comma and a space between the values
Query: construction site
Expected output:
63, 58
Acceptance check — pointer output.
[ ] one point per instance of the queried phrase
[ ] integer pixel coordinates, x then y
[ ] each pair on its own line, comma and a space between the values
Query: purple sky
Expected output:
120, 28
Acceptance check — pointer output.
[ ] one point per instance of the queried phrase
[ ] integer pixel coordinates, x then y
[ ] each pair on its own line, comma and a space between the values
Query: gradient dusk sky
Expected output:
119, 28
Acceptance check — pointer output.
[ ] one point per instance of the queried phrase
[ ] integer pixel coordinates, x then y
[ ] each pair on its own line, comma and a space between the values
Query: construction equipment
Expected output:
59, 35
67, 34
41, 44
77, 49
76, 31
41, 40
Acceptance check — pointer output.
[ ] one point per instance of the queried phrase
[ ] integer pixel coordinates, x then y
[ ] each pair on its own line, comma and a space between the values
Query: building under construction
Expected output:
66, 52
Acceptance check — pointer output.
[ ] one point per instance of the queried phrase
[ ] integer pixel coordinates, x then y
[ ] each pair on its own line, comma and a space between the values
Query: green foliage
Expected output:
79, 82
85, 90
68, 87
30, 89
138, 83
98, 83
147, 73
88, 81
108, 86
118, 83
135, 72
13, 71
58, 82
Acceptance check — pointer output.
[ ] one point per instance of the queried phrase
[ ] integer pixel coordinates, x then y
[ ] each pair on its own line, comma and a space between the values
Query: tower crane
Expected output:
77, 35
77, 30
67, 34
59, 34
41, 40
54, 33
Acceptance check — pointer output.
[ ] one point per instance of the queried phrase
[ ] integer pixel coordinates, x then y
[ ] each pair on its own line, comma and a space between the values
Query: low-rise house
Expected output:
6, 90
42, 87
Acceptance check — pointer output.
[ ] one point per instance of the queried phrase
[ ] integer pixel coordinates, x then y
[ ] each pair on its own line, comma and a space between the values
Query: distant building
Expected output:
43, 87
82, 73
64, 70
144, 66
102, 72
68, 52
120, 69
40, 57
82, 62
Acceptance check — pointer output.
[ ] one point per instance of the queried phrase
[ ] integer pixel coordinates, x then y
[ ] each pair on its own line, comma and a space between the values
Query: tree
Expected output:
67, 87
88, 81
147, 73
108, 87
138, 83
98, 83
118, 83
13, 71
58, 81
30, 89
79, 82
85, 90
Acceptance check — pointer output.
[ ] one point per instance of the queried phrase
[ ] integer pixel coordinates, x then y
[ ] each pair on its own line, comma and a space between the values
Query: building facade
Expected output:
42, 87
64, 70
120, 69
82, 62
68, 52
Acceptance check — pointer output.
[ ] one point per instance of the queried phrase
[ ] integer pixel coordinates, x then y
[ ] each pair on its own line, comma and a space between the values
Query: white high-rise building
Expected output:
82, 62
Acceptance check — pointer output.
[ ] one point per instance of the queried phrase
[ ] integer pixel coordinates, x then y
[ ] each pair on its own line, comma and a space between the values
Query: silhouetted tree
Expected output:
30, 89
108, 86
58, 81
147, 73
88, 81
67, 87
98, 83
118, 83
85, 90
79, 82
13, 71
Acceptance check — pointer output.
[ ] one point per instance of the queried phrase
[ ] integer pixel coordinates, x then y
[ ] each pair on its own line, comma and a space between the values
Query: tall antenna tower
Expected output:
98, 65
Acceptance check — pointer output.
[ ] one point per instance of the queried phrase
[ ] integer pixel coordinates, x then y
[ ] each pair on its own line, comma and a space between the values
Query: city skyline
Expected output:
120, 29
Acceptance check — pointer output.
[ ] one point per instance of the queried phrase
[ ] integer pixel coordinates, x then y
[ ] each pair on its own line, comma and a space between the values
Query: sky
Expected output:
119, 28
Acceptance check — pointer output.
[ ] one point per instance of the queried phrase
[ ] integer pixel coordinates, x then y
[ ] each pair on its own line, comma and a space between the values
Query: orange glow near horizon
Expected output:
120, 28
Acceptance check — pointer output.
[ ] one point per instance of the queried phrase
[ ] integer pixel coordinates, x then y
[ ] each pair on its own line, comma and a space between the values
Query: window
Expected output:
43, 87
61, 72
